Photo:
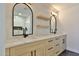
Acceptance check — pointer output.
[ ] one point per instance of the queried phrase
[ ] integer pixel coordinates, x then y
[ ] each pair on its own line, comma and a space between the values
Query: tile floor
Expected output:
68, 53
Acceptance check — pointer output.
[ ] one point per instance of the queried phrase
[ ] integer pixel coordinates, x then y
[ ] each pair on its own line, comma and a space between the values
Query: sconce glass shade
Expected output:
53, 13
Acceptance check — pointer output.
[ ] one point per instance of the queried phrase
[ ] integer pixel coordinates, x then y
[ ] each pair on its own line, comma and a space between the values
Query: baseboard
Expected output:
61, 52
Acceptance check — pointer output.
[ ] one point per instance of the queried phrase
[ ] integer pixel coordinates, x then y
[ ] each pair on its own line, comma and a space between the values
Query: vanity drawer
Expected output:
60, 38
51, 48
57, 40
62, 47
57, 52
58, 49
51, 53
54, 52
51, 41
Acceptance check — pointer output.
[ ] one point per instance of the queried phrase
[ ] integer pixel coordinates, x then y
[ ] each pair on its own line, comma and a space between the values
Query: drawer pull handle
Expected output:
50, 48
50, 40
31, 53
57, 52
34, 52
63, 41
56, 38
57, 44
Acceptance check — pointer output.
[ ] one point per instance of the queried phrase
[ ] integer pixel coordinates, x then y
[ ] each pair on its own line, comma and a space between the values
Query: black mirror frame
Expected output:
55, 30
25, 35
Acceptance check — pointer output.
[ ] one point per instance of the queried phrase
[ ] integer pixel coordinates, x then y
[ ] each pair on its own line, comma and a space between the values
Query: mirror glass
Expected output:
53, 24
22, 19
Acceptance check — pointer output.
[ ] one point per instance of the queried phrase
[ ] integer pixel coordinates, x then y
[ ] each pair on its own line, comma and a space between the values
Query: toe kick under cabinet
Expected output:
52, 46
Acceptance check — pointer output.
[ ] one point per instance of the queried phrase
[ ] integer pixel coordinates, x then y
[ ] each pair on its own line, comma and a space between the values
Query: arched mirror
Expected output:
53, 23
22, 17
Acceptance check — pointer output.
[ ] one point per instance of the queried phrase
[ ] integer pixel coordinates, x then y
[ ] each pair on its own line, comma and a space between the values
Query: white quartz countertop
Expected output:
16, 42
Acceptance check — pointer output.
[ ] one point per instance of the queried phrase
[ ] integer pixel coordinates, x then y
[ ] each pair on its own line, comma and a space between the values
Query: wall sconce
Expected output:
53, 23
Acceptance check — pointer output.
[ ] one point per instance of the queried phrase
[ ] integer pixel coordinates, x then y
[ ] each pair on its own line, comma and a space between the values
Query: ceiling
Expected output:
64, 6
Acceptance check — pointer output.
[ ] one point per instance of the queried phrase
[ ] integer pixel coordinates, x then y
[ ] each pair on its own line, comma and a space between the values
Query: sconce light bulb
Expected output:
19, 13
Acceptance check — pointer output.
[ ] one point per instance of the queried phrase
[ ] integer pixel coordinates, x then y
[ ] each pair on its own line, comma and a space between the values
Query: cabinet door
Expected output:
33, 50
21, 50
39, 52
7, 52
27, 53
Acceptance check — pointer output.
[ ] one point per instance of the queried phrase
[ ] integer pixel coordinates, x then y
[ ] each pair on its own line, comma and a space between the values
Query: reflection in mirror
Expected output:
22, 16
53, 24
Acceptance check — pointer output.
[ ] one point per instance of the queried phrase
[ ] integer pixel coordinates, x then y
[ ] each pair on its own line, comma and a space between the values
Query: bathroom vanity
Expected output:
33, 45
48, 45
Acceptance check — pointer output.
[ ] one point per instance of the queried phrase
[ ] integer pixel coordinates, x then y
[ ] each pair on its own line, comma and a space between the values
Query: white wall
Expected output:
42, 9
2, 28
69, 20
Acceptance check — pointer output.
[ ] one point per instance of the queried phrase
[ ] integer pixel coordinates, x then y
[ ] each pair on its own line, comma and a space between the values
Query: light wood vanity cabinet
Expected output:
55, 46
48, 47
30, 49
